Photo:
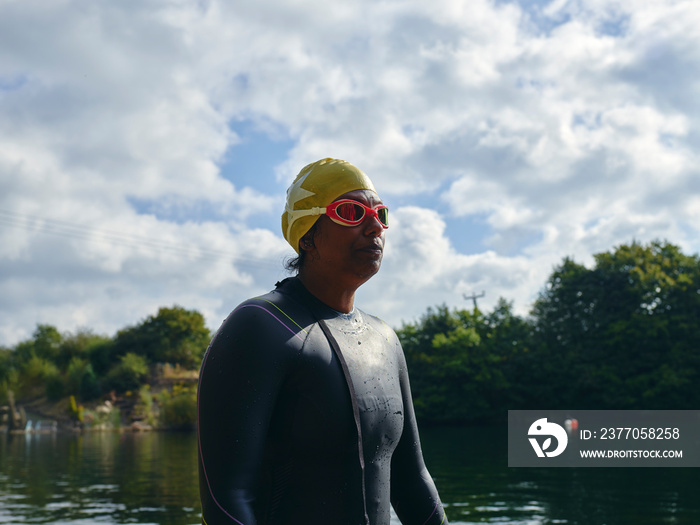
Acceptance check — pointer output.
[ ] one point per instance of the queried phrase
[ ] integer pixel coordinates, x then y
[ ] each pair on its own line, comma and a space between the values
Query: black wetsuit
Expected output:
277, 428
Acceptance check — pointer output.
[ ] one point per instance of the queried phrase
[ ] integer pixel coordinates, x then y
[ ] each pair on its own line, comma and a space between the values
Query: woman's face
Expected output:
351, 251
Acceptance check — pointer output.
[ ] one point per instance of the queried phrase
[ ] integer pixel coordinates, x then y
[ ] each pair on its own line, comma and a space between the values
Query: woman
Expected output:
304, 408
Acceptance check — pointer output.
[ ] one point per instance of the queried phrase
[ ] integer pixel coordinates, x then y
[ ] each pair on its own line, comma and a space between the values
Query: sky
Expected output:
146, 146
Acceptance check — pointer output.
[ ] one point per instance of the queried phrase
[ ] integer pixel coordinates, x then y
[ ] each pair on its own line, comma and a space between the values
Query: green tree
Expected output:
624, 333
6, 363
511, 338
462, 363
175, 335
81, 380
129, 374
47, 342
34, 373
9, 375
44, 343
82, 344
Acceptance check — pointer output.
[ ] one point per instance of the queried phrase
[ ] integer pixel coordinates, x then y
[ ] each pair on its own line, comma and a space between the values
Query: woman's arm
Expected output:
241, 375
413, 493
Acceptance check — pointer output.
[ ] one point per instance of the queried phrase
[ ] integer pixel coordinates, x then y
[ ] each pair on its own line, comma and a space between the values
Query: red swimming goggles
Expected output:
346, 212
351, 213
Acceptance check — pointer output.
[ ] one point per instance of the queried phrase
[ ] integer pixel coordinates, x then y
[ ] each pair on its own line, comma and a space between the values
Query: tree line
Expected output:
620, 335
624, 334
86, 366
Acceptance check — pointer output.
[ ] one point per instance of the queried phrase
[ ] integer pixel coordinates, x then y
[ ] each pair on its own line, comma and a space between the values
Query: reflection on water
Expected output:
99, 477
470, 467
152, 478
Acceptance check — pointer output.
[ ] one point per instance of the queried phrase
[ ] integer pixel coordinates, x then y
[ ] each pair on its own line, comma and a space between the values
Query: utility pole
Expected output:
474, 297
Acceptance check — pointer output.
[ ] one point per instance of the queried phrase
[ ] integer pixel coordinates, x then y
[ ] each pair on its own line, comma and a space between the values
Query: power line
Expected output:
72, 230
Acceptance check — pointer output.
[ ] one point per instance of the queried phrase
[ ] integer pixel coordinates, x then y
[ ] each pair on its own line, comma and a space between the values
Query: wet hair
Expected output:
295, 264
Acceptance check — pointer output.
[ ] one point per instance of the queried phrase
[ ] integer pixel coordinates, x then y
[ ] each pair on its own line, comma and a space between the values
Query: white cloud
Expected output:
421, 268
568, 126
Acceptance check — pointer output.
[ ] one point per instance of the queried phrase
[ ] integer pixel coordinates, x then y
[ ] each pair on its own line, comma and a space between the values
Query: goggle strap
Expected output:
298, 214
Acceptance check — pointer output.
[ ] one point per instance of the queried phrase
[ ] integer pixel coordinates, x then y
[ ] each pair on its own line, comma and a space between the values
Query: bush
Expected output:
54, 387
102, 356
129, 374
6, 363
103, 417
8, 384
76, 410
144, 408
81, 379
38, 368
178, 409
89, 385
74, 374
35, 373
81, 344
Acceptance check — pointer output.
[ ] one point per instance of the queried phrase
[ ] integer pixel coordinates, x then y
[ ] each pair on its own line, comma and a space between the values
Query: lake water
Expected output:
151, 478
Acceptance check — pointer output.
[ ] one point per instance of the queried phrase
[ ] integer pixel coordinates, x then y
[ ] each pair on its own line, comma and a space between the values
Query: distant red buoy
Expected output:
571, 425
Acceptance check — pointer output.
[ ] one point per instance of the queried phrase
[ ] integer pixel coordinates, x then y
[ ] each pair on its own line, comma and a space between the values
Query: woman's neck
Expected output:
330, 292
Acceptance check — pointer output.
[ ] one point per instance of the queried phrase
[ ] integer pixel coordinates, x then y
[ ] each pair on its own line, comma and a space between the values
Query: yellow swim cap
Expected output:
317, 185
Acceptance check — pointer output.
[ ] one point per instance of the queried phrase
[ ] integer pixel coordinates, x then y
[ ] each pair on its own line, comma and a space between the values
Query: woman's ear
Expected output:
306, 243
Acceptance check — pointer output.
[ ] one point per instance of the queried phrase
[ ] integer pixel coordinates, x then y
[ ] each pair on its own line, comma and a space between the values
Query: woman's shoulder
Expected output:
269, 313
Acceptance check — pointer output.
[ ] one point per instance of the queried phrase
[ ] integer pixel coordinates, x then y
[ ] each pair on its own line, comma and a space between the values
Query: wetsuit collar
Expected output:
293, 287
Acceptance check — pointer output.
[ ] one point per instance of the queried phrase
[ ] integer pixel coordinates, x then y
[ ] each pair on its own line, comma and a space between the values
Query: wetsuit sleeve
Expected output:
413, 493
241, 375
